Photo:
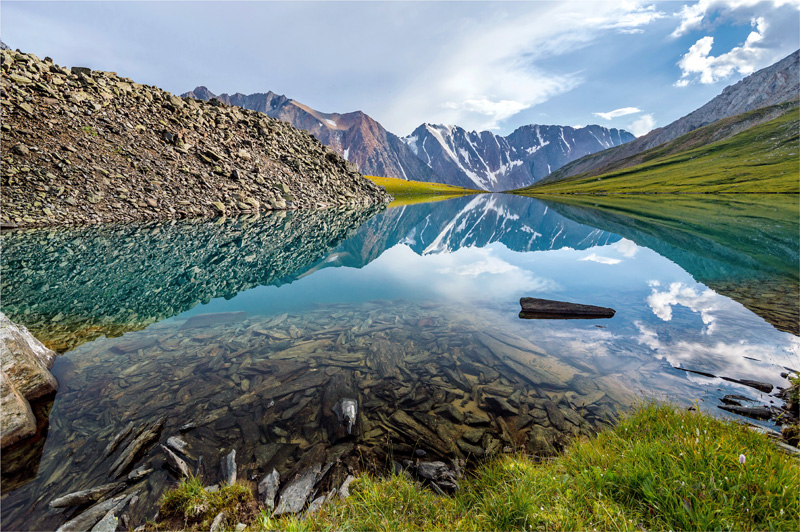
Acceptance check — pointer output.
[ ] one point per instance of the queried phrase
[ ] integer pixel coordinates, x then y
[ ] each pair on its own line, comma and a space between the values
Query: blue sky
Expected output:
480, 65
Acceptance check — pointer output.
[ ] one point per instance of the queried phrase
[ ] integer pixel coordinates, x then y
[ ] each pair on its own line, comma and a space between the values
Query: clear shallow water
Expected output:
412, 312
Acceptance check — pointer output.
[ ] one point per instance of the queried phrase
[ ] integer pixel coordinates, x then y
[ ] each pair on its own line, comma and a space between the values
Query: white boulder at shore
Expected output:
25, 376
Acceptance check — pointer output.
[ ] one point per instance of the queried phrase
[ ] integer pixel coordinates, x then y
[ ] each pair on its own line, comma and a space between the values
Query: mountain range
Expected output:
487, 161
435, 153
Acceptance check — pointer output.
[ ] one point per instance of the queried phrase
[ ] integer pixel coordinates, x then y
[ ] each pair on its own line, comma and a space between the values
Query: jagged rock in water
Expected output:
86, 496
129, 454
176, 463
228, 468
177, 444
121, 435
268, 489
87, 519
107, 524
757, 412
294, 496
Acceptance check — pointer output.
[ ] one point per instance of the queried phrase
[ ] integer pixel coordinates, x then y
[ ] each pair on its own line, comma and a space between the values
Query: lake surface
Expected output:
248, 334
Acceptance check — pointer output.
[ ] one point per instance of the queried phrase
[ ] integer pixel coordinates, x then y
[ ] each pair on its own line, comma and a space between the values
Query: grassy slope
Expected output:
660, 468
762, 159
401, 187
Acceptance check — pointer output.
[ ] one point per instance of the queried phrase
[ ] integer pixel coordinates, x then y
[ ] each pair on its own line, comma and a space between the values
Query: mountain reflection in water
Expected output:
411, 311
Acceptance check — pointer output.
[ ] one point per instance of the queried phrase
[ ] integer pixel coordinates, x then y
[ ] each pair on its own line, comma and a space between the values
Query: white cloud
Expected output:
643, 125
499, 110
698, 63
705, 302
764, 44
701, 14
618, 112
600, 260
493, 71
627, 248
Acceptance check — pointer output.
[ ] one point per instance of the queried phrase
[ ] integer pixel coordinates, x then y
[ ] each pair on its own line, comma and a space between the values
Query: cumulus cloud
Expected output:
705, 303
700, 65
643, 125
627, 248
618, 112
764, 44
494, 69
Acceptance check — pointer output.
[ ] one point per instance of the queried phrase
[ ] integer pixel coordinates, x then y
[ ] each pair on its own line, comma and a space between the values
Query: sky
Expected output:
480, 65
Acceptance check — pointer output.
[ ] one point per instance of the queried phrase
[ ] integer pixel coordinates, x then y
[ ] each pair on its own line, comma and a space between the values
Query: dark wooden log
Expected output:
547, 309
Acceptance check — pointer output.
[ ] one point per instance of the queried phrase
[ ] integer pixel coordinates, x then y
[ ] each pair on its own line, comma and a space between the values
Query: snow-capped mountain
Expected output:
487, 161
356, 136
519, 223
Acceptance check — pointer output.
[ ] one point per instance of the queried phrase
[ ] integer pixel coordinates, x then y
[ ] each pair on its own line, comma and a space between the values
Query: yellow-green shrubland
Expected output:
401, 187
661, 467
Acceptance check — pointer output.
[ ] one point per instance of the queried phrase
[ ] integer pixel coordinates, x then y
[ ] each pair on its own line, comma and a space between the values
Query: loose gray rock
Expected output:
268, 488
176, 463
216, 524
86, 496
294, 496
107, 524
228, 466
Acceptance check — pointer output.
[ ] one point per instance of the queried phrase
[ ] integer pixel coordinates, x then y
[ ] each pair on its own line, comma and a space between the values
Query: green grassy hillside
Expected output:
401, 187
764, 158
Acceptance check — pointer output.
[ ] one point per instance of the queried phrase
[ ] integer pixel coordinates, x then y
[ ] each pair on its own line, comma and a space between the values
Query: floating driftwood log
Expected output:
548, 309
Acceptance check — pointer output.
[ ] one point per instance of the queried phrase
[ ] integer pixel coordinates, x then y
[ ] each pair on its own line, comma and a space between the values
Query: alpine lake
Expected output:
248, 334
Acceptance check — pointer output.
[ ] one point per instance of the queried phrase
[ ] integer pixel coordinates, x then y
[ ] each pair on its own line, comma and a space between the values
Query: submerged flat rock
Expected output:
535, 308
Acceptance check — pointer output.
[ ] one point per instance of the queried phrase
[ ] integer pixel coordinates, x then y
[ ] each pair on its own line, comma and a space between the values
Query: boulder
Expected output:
25, 376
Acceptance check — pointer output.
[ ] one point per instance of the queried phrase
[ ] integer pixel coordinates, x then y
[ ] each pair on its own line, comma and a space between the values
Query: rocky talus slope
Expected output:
356, 136
82, 146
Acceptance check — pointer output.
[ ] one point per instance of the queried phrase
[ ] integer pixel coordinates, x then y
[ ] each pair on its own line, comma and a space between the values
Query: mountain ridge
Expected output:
355, 136
772, 85
487, 161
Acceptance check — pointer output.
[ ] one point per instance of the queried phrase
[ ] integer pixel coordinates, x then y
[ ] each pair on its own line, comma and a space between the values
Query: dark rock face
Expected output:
487, 161
356, 136
90, 146
773, 85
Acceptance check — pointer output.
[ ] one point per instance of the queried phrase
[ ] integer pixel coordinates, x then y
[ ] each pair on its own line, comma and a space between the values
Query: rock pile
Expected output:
83, 146
25, 376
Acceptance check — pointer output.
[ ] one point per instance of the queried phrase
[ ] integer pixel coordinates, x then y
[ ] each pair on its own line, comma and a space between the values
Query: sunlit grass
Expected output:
661, 468
402, 187
761, 159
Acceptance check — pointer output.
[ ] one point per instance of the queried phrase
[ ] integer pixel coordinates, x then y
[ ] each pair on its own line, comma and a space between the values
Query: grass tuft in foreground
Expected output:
661, 468
191, 507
